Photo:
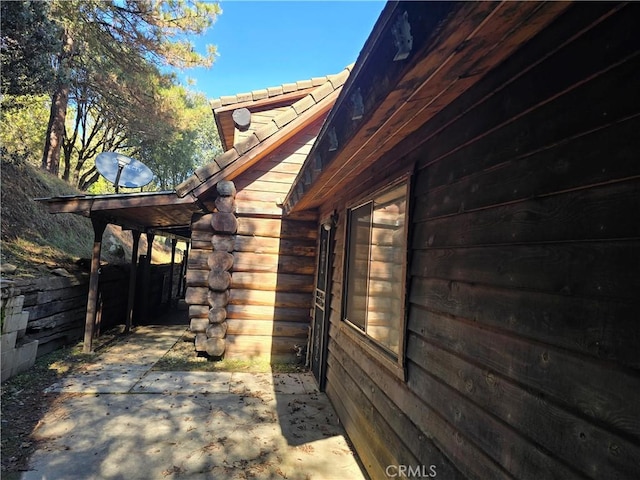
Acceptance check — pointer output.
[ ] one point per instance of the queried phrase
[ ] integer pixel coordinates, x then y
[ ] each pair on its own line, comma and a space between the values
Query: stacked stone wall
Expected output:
18, 351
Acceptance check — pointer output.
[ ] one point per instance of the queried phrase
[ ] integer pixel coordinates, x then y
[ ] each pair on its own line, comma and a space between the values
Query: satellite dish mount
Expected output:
122, 162
122, 170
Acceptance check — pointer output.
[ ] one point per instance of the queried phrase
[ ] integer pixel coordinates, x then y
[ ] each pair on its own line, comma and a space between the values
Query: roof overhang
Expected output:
224, 115
265, 140
163, 213
454, 44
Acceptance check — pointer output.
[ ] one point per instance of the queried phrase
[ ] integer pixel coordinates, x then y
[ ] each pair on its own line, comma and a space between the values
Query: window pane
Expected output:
386, 273
358, 264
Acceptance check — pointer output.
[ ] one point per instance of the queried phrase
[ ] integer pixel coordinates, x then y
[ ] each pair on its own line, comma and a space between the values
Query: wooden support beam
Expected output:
183, 276
133, 274
92, 299
146, 277
174, 242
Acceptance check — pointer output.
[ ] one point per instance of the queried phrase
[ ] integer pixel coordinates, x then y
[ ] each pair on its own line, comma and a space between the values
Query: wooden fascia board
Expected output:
88, 204
110, 204
222, 133
73, 205
449, 79
361, 75
254, 155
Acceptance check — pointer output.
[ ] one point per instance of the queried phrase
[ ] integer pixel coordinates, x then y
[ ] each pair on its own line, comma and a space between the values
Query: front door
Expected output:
322, 308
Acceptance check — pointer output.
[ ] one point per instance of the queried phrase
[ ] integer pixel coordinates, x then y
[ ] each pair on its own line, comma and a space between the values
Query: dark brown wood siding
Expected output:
523, 335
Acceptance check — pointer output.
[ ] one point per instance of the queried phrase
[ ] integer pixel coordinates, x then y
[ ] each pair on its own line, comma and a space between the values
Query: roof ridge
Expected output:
270, 92
290, 113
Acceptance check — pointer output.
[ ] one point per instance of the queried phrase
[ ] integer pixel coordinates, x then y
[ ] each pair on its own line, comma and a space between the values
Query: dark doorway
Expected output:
322, 306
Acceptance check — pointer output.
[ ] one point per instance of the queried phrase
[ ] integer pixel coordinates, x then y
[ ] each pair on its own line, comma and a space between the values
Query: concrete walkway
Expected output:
118, 419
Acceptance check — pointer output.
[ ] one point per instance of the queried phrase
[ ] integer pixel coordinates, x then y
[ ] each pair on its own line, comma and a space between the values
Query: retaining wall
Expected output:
42, 314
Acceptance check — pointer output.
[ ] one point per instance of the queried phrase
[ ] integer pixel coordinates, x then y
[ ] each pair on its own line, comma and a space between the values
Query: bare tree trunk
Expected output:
88, 179
67, 148
55, 130
58, 112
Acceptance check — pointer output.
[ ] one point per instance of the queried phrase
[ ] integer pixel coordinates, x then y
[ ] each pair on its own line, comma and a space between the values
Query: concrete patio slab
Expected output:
184, 382
257, 383
97, 378
120, 419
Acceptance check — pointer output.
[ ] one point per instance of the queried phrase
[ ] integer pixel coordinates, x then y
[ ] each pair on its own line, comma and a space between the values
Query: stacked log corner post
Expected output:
210, 324
224, 225
197, 290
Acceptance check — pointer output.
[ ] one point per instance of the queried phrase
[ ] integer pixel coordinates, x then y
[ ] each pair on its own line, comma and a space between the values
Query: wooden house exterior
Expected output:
456, 217
476, 302
249, 287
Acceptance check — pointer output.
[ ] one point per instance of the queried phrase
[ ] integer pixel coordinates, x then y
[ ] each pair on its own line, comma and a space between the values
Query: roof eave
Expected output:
134, 211
456, 45
223, 114
266, 139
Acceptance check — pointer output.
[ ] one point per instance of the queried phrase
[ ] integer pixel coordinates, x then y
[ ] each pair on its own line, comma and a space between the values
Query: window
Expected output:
375, 267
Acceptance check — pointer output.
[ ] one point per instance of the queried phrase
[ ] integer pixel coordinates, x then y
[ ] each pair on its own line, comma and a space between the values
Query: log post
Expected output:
208, 276
92, 299
133, 275
174, 242
146, 278
224, 224
197, 292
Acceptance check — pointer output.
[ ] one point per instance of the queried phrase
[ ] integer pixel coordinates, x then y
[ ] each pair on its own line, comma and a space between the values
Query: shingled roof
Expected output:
270, 92
264, 140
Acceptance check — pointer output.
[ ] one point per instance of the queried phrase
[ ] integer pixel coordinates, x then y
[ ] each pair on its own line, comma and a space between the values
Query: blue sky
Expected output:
268, 43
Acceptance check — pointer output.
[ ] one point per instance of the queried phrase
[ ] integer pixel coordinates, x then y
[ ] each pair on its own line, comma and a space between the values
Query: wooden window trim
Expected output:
371, 347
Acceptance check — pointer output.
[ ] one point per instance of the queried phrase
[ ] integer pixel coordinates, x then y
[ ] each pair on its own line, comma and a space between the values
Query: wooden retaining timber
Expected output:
57, 305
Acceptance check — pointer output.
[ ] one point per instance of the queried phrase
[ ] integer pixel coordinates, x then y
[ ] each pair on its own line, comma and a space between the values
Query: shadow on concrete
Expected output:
118, 418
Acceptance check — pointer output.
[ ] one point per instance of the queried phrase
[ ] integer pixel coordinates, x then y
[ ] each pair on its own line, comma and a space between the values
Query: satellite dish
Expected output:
123, 171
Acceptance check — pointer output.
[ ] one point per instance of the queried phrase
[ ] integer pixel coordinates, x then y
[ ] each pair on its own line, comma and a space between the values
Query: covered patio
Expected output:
151, 213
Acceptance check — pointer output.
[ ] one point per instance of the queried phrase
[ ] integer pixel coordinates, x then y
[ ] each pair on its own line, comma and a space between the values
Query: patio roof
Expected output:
162, 213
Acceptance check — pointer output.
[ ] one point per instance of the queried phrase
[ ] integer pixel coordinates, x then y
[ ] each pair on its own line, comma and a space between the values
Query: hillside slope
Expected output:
38, 242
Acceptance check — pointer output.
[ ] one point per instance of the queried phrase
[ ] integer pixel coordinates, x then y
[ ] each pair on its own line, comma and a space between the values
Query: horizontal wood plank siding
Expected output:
522, 340
274, 259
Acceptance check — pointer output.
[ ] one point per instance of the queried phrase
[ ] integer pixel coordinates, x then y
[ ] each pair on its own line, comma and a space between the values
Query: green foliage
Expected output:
28, 40
123, 32
23, 123
108, 72
193, 142
107, 57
